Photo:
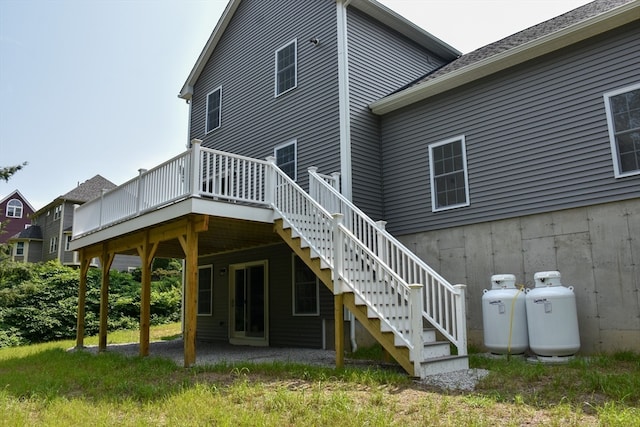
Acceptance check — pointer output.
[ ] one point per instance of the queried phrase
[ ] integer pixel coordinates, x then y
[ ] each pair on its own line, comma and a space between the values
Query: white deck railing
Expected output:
443, 303
218, 175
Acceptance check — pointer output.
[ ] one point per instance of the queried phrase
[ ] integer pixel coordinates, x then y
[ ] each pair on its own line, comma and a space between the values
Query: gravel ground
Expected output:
218, 352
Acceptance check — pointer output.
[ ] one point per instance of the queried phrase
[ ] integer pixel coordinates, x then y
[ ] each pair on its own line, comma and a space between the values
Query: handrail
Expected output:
218, 175
442, 302
317, 227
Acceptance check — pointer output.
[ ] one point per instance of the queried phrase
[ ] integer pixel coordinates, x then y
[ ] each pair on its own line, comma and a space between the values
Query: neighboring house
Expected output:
49, 235
15, 215
508, 132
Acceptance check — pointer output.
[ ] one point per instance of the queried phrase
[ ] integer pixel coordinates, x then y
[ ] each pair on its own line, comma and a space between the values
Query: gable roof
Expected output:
574, 26
18, 194
88, 190
370, 7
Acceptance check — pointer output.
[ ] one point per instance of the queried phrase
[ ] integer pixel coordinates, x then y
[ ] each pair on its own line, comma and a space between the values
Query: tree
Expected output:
7, 171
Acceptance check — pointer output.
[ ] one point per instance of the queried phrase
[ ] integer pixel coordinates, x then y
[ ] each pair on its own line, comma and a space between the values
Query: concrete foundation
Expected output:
596, 249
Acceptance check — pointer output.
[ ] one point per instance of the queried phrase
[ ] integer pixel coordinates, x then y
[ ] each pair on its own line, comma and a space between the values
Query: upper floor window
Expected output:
67, 245
286, 68
214, 109
448, 168
623, 117
285, 155
57, 212
305, 290
14, 209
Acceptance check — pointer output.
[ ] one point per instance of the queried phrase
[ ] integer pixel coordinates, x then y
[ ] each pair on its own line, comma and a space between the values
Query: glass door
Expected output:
248, 305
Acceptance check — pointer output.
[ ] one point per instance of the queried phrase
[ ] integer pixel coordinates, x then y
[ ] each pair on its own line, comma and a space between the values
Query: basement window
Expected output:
305, 290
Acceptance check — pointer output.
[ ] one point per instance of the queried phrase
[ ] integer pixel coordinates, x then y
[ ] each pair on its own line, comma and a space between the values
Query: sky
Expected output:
90, 86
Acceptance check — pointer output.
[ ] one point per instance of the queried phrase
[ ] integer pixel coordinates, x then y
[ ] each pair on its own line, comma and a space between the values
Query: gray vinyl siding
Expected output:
253, 121
285, 330
380, 62
536, 138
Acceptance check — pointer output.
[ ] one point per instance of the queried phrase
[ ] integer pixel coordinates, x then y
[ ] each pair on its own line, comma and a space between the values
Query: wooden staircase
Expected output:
435, 356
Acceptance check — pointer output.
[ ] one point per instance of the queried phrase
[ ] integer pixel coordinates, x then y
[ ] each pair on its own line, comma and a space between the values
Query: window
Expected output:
214, 109
67, 243
305, 290
57, 211
286, 68
623, 118
285, 155
19, 249
14, 209
448, 168
205, 290
53, 244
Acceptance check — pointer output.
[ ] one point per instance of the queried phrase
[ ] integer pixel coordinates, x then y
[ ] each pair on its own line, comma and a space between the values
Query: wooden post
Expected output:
190, 247
146, 252
82, 296
106, 259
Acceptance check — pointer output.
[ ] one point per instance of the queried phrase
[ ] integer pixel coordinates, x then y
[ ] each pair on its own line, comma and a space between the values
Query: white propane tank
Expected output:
552, 317
504, 317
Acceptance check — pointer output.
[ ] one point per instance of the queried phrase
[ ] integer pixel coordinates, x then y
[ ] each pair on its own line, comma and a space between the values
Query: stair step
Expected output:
436, 349
442, 365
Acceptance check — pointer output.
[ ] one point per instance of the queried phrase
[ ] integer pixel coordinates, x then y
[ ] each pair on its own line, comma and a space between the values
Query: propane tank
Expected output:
504, 317
552, 317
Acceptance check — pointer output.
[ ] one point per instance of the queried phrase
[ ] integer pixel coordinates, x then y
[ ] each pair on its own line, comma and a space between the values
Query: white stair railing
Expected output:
443, 303
355, 267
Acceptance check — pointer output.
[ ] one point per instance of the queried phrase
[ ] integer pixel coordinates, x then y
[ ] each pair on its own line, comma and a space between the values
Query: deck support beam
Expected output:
146, 251
82, 297
189, 243
106, 259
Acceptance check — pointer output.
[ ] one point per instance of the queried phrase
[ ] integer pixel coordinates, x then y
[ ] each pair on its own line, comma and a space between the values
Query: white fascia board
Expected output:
192, 205
407, 28
187, 89
551, 42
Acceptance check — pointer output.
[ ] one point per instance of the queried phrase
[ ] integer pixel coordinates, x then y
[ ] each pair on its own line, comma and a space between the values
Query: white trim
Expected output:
434, 207
615, 155
14, 209
343, 101
206, 111
210, 313
294, 257
293, 142
295, 68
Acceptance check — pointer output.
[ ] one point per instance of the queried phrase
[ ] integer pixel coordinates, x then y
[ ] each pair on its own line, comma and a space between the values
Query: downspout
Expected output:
343, 98
345, 123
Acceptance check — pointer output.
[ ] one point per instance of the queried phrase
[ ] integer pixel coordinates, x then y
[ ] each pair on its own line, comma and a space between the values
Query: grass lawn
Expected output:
46, 385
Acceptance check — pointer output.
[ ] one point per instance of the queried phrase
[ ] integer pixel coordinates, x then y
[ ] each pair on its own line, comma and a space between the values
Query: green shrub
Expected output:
39, 302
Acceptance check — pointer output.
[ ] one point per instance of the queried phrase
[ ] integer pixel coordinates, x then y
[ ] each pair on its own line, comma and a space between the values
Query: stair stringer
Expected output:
372, 325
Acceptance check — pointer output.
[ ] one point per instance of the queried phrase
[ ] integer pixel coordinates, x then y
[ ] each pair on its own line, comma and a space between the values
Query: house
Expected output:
276, 251
543, 128
49, 233
15, 215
